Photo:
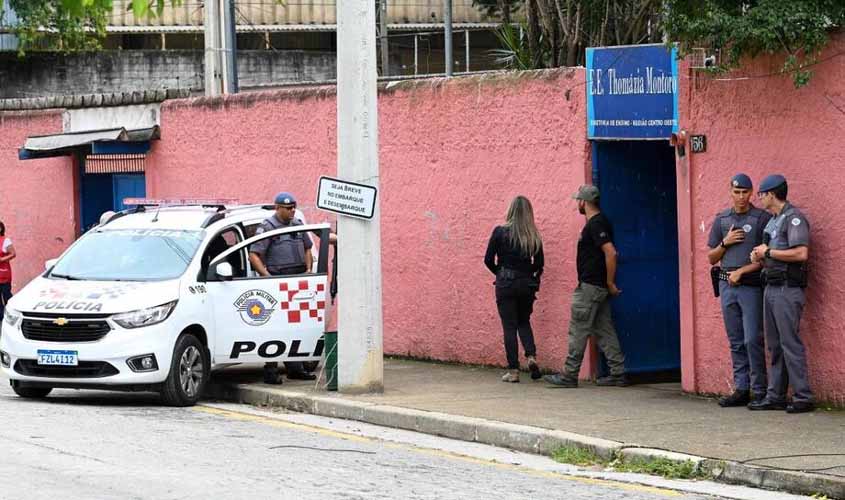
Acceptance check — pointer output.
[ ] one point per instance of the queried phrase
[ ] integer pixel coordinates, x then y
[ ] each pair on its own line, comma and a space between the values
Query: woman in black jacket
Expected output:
515, 256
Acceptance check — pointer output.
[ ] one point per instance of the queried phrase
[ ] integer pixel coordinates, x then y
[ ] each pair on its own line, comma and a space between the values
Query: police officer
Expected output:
784, 255
735, 232
282, 255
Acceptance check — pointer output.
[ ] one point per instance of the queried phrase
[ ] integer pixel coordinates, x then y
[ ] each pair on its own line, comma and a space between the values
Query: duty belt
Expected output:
278, 271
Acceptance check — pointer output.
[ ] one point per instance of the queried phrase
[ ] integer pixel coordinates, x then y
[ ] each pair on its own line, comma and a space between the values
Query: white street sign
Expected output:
346, 198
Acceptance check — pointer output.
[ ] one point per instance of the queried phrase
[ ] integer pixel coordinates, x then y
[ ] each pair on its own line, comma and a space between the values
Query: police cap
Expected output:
741, 181
285, 199
772, 182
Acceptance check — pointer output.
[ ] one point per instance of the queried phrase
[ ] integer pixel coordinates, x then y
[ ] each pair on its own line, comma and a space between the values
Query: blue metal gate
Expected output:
638, 193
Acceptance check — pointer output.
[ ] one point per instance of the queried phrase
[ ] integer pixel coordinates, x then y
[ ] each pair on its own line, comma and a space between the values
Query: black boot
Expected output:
738, 398
272, 374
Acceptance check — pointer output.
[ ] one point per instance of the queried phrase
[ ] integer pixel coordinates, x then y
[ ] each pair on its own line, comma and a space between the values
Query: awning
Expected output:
107, 141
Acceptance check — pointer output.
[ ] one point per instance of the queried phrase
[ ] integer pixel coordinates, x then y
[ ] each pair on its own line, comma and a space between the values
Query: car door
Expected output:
274, 318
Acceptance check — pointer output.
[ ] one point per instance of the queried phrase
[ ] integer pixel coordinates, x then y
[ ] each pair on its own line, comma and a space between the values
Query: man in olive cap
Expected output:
735, 232
784, 255
590, 312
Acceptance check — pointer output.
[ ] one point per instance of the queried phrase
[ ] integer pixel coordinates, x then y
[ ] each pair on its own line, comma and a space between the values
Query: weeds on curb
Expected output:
669, 469
577, 456
659, 467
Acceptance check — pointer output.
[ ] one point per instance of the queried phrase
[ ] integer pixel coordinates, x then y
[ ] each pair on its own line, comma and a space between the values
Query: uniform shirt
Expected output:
590, 261
286, 250
753, 222
501, 253
788, 230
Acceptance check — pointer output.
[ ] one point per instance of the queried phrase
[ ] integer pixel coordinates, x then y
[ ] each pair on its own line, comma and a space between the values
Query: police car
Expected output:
156, 297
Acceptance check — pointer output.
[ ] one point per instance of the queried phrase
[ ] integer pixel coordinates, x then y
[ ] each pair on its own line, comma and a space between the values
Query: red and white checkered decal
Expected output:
300, 311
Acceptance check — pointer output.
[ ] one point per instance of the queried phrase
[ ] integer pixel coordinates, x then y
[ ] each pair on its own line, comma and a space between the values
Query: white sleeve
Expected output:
7, 243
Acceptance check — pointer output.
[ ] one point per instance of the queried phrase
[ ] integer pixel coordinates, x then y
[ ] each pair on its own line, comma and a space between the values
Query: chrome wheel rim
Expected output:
190, 371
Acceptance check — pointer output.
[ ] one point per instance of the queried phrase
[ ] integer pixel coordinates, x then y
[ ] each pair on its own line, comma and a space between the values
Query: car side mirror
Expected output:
49, 263
224, 271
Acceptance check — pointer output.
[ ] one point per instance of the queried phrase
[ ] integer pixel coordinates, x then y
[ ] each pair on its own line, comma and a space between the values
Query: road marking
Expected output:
276, 422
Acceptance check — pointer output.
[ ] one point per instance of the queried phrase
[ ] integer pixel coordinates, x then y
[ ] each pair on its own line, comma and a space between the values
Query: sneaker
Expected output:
766, 404
511, 376
560, 380
738, 398
800, 407
533, 368
272, 376
613, 381
303, 375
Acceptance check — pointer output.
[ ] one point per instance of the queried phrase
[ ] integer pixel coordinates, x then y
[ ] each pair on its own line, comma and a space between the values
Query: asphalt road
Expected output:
97, 445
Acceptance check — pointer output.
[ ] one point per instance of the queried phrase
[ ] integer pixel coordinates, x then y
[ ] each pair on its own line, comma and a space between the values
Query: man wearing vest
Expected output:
282, 255
735, 232
7, 253
784, 255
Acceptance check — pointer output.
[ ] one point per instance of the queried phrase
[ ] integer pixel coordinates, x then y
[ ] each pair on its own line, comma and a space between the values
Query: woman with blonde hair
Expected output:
515, 256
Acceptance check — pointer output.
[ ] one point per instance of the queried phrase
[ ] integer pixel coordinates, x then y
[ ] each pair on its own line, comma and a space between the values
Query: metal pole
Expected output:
447, 34
231, 52
213, 83
466, 45
416, 54
385, 60
360, 346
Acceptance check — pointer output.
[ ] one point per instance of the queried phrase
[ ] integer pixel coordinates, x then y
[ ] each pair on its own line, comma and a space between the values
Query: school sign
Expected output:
632, 92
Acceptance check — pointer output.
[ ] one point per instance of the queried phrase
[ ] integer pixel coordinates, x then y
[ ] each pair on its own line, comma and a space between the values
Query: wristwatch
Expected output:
768, 253
722, 244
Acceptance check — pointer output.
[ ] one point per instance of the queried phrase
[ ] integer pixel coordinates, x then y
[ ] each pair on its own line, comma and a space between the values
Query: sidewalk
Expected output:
471, 403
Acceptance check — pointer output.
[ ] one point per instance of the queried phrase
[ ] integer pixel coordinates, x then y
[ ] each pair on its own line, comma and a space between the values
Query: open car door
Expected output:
275, 318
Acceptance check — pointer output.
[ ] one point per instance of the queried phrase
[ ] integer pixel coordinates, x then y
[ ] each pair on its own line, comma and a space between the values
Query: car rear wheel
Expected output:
189, 370
29, 392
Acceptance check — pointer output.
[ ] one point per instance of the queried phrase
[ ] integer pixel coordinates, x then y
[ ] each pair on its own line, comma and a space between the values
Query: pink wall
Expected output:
36, 196
453, 155
759, 126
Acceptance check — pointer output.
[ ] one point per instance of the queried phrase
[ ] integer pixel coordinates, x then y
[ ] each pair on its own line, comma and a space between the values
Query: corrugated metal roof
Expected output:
273, 28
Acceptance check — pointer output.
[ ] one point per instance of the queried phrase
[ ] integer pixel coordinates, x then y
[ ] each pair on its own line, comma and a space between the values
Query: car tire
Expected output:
29, 392
189, 371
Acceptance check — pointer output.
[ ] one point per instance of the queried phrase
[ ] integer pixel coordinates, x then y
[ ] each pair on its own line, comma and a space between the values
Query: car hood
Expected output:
92, 297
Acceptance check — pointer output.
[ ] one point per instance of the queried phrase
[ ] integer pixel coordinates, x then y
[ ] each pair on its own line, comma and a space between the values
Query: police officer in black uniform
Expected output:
282, 255
735, 232
784, 256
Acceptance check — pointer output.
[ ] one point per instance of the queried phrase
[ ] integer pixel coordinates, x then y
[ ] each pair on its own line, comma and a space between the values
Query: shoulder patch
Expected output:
796, 221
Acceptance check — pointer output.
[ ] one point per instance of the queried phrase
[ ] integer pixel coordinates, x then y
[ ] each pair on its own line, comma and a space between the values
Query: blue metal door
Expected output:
638, 193
128, 186
96, 193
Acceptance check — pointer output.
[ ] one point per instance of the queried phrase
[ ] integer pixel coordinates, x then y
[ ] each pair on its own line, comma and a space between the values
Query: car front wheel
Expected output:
29, 392
189, 370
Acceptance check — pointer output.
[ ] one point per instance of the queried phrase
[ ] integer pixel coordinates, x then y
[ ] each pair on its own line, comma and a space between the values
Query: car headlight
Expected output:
144, 317
11, 317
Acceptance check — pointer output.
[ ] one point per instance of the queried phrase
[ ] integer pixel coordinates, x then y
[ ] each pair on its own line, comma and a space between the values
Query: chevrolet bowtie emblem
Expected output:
60, 321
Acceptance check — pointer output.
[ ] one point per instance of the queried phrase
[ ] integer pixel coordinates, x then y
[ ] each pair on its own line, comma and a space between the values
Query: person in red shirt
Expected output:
7, 253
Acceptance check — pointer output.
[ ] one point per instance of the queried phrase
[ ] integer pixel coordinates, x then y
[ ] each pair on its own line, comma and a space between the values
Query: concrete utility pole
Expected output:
360, 350
382, 25
213, 74
230, 52
447, 34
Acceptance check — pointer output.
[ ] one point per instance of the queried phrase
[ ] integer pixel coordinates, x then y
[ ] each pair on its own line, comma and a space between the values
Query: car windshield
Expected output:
129, 255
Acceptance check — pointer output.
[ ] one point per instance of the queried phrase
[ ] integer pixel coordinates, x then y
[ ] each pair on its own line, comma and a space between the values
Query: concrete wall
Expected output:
36, 197
453, 155
759, 126
45, 74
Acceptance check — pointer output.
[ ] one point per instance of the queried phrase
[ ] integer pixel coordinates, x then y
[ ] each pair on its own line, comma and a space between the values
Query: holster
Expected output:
715, 276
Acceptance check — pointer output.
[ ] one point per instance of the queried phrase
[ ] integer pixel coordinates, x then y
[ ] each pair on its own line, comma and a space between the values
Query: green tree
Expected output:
71, 25
796, 29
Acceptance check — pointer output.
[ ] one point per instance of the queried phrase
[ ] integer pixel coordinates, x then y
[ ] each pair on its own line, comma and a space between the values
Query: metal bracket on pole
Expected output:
447, 35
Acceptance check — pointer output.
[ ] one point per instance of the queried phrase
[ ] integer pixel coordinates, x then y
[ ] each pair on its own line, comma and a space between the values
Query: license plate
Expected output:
61, 358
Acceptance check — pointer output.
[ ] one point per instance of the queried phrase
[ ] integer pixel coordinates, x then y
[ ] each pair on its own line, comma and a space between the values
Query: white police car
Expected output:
155, 298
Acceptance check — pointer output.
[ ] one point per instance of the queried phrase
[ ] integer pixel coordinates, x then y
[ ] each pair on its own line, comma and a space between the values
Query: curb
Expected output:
522, 438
